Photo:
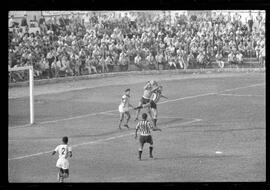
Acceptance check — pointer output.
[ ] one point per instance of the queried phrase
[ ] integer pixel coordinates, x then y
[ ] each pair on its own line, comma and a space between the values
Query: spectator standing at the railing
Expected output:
250, 21
239, 58
91, 65
219, 59
138, 61
232, 59
262, 55
200, 58
11, 21
42, 25
258, 19
122, 61
109, 63
257, 50
24, 21
151, 61
160, 59
50, 57
191, 60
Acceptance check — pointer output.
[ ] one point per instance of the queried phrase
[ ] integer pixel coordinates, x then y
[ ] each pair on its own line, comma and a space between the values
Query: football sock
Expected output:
151, 151
155, 122
140, 154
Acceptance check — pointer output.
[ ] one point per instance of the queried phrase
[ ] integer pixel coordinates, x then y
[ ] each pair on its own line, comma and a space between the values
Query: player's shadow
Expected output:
101, 134
169, 121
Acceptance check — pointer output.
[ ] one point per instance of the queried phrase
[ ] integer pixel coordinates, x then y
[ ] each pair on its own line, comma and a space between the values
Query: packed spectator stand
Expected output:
75, 44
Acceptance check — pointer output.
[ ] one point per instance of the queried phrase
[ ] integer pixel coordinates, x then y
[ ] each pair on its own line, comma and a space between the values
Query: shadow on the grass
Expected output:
170, 121
101, 134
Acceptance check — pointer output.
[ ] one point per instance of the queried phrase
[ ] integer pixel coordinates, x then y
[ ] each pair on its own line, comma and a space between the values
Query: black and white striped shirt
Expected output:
144, 127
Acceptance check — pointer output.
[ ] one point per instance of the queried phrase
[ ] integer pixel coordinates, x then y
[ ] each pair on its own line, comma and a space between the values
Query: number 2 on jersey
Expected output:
63, 151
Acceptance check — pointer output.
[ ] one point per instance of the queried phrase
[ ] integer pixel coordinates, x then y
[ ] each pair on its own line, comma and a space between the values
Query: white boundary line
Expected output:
98, 141
109, 111
241, 95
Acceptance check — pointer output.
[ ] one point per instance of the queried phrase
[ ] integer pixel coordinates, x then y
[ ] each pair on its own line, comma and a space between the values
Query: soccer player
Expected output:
154, 99
144, 127
62, 163
149, 88
124, 108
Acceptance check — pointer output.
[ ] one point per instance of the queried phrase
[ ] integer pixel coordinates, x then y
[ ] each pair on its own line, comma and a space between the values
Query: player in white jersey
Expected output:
62, 163
124, 108
149, 88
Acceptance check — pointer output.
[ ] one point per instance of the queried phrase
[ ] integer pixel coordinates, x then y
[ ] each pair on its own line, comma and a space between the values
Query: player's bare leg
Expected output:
65, 174
150, 112
121, 119
151, 151
60, 176
140, 151
138, 111
128, 118
154, 116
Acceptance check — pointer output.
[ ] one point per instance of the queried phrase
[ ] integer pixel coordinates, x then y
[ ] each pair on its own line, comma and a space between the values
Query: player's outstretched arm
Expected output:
154, 89
138, 107
129, 105
137, 127
163, 96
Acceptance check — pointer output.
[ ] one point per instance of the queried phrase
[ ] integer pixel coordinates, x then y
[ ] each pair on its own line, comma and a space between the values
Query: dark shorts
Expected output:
65, 171
146, 139
153, 105
144, 100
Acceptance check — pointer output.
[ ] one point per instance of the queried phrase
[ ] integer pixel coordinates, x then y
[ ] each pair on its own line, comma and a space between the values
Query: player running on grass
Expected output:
145, 135
149, 88
124, 108
62, 163
154, 99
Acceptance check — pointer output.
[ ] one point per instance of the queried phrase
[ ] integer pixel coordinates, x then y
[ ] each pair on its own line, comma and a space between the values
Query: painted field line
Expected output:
162, 117
241, 95
96, 141
227, 90
104, 112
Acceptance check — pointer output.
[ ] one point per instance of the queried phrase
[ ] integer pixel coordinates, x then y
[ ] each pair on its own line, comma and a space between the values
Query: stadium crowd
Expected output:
69, 45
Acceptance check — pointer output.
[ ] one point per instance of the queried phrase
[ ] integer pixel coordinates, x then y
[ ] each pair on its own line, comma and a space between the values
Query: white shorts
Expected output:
122, 109
62, 163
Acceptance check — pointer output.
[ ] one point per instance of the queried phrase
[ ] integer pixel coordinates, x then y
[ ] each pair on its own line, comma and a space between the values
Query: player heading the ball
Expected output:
149, 88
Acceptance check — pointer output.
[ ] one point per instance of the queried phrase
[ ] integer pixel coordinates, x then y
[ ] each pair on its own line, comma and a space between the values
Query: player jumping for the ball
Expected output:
62, 163
124, 108
152, 105
149, 88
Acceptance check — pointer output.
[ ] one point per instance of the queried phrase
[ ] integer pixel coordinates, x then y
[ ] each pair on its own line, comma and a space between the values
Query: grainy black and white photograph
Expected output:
136, 96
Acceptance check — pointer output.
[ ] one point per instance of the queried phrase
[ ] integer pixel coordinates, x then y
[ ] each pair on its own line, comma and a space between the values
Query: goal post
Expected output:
31, 87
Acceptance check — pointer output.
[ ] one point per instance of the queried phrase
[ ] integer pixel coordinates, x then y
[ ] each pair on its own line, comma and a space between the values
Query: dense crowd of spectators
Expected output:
70, 45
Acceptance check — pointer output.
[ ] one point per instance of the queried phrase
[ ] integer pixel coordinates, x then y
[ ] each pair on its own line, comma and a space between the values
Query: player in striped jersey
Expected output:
124, 108
62, 163
149, 88
144, 127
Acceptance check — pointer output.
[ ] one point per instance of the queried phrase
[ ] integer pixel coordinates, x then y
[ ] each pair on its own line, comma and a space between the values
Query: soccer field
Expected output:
213, 129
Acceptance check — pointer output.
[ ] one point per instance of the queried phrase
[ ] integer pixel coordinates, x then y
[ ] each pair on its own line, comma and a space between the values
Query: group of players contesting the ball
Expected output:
151, 96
